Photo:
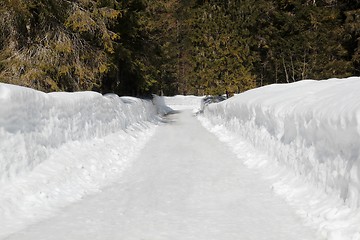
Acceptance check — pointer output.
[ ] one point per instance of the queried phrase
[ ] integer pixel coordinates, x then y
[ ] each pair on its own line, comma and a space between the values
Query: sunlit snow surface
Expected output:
309, 135
181, 102
304, 137
184, 185
56, 148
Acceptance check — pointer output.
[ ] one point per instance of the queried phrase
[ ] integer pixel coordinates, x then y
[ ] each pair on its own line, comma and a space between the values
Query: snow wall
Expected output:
161, 106
57, 147
313, 129
32, 123
180, 102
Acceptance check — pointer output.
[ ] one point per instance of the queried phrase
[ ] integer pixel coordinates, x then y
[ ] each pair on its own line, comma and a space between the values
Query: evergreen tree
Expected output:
221, 57
57, 45
352, 26
137, 47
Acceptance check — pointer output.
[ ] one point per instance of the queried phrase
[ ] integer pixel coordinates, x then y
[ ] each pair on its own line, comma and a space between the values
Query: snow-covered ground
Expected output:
303, 138
309, 134
184, 185
181, 102
56, 148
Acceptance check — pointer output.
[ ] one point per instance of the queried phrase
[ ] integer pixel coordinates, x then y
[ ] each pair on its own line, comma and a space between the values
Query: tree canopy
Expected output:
137, 47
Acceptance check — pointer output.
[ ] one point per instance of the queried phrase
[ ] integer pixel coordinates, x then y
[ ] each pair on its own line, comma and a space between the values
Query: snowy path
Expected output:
185, 184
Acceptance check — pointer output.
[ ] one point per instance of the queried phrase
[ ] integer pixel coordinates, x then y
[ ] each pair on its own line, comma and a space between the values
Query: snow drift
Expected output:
161, 106
34, 123
57, 147
180, 102
313, 129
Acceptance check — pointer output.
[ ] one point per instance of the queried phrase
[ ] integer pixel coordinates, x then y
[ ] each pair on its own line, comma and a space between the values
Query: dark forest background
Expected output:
137, 47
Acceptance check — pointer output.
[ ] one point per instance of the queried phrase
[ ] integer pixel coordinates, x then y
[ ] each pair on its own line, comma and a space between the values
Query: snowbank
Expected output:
34, 123
161, 106
57, 147
313, 129
180, 102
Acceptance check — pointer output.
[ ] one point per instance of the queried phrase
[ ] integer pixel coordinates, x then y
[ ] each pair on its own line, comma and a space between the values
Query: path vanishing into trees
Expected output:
185, 184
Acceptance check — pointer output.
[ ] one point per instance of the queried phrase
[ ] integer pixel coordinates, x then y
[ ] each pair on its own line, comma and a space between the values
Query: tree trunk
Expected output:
285, 70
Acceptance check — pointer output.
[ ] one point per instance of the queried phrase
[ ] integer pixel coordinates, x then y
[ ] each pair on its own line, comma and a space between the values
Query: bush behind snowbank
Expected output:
312, 127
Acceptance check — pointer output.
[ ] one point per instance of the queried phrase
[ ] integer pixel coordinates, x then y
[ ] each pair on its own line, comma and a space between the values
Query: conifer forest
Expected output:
138, 47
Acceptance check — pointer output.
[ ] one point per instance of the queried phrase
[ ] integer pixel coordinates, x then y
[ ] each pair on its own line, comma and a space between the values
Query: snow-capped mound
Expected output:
161, 106
313, 129
33, 122
57, 147
180, 102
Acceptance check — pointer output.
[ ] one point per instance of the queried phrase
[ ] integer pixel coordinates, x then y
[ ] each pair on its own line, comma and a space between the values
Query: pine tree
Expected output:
136, 47
57, 45
220, 55
352, 25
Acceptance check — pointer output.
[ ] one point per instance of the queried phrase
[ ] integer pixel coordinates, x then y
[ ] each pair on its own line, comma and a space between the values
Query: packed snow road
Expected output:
185, 184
